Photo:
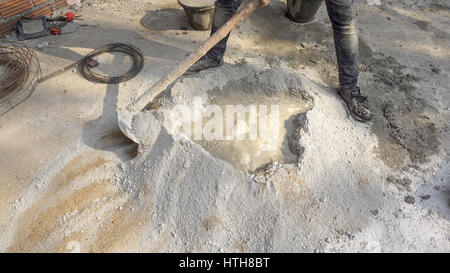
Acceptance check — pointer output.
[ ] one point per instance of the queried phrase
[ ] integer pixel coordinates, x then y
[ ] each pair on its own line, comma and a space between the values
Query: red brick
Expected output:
10, 8
6, 28
39, 2
45, 10
59, 4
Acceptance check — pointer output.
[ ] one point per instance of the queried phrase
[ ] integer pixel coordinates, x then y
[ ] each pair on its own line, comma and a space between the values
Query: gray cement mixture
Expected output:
240, 85
76, 184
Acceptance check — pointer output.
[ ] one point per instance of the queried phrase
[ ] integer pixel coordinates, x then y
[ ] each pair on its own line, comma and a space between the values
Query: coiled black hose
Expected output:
92, 76
132, 51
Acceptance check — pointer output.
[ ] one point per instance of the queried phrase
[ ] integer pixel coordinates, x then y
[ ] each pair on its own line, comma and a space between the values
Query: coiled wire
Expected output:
19, 74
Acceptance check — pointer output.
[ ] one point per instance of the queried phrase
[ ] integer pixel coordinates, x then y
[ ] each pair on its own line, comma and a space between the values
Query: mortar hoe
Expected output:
127, 114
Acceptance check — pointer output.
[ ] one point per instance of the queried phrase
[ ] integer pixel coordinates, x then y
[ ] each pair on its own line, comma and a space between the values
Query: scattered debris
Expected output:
401, 183
410, 200
425, 197
435, 69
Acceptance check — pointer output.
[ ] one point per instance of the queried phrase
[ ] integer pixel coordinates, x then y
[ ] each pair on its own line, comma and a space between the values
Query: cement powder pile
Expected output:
201, 203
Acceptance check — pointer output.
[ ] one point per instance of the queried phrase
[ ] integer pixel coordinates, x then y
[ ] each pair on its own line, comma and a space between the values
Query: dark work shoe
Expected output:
205, 62
357, 104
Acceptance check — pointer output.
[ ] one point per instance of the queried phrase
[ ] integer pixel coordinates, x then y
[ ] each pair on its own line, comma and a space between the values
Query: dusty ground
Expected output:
71, 181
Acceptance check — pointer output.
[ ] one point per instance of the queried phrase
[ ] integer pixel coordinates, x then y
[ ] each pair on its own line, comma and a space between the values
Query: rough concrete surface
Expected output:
72, 182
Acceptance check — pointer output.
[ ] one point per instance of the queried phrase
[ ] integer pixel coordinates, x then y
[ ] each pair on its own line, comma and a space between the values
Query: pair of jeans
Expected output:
343, 20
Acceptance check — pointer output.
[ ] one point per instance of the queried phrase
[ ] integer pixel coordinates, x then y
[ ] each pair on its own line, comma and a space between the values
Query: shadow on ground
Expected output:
104, 133
165, 19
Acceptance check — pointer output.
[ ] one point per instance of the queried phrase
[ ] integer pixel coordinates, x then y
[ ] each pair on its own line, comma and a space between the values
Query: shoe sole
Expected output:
197, 71
354, 116
357, 118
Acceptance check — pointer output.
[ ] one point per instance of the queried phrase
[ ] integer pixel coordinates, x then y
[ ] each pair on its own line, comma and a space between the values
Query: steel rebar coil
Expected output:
19, 73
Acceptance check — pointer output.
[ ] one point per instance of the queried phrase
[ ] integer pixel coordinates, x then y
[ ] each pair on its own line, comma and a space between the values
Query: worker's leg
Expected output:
343, 19
225, 9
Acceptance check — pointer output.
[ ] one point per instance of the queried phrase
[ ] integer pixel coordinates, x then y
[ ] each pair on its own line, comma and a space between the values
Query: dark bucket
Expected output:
199, 13
303, 11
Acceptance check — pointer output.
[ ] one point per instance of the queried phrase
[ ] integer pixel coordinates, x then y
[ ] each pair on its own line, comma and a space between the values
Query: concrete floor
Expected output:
71, 181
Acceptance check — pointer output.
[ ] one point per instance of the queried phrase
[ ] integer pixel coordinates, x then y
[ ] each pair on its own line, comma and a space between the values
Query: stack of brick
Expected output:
12, 10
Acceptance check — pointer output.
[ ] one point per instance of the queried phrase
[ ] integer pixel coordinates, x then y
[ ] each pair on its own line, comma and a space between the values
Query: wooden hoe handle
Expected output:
182, 67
